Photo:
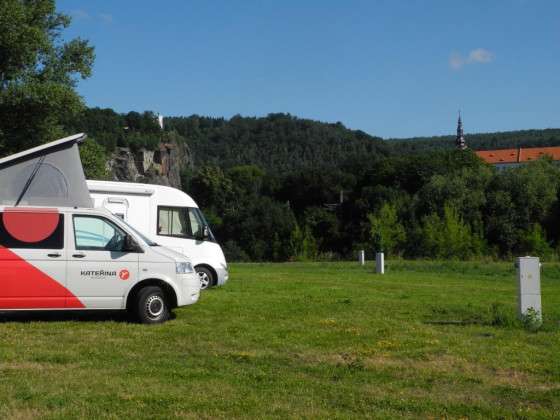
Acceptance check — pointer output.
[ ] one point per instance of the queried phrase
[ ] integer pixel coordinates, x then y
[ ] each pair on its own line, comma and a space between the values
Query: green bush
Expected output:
449, 237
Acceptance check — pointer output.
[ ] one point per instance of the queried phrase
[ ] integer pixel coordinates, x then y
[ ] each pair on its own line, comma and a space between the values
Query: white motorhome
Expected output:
59, 253
168, 217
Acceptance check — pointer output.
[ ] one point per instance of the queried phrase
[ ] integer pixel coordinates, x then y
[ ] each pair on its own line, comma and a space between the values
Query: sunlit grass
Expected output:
323, 340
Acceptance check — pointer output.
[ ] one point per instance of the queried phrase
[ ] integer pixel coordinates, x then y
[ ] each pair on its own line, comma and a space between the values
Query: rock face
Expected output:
162, 166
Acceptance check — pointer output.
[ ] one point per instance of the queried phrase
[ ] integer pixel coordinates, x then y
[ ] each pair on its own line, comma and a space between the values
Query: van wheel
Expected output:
151, 306
206, 277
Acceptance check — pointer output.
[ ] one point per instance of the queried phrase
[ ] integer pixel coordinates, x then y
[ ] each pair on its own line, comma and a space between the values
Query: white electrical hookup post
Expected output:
380, 263
362, 257
528, 285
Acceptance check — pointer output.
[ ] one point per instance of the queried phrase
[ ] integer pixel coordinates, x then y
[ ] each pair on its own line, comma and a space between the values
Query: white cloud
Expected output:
476, 56
480, 55
106, 18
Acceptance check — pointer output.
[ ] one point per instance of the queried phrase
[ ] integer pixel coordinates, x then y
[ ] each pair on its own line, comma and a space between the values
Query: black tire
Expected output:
206, 277
151, 305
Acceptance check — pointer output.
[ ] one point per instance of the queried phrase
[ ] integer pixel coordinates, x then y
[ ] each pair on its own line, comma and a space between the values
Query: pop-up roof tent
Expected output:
48, 175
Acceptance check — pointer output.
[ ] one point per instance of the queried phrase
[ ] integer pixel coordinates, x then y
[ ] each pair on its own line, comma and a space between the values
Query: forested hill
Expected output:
277, 142
481, 141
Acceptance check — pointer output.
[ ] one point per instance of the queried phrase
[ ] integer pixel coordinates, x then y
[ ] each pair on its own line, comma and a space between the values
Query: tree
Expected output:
246, 179
93, 160
534, 242
517, 199
212, 188
387, 233
449, 237
304, 246
38, 73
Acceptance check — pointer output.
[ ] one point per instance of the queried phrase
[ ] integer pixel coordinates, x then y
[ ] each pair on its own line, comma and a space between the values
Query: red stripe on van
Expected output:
23, 286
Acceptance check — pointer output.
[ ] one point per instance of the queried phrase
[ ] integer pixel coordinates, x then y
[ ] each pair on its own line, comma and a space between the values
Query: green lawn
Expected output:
321, 340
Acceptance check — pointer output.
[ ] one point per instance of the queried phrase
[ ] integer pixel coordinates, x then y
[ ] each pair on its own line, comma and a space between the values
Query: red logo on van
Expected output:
124, 274
30, 225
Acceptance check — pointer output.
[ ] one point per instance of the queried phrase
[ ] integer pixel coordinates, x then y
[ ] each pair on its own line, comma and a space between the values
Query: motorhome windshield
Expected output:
181, 222
148, 241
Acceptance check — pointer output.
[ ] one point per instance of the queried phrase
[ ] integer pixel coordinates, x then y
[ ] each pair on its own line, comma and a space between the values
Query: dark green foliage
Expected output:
38, 73
303, 244
277, 143
271, 189
94, 159
110, 129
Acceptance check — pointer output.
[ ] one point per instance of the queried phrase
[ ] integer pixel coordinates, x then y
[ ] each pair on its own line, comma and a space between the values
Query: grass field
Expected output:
318, 340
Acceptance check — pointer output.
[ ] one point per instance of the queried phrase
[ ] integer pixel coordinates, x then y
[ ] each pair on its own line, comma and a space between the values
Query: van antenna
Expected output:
30, 179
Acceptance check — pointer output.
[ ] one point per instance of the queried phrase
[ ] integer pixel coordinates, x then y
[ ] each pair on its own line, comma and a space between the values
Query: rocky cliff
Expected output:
162, 166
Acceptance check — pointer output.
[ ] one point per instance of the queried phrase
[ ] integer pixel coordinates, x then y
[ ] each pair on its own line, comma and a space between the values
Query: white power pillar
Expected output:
380, 263
529, 285
362, 257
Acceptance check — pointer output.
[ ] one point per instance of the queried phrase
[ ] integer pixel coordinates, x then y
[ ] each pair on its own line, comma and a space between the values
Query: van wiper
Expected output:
30, 179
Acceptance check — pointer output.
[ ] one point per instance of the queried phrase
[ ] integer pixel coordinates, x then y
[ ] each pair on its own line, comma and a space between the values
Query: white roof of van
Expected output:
165, 195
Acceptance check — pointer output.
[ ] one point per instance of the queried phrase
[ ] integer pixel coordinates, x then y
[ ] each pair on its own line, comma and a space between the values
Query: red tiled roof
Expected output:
518, 155
499, 156
537, 152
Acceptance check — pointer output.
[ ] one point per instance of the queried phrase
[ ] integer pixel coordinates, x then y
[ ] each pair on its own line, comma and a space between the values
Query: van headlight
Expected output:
184, 267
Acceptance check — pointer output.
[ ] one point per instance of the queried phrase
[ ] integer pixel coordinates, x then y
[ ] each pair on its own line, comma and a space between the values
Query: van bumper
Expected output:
190, 291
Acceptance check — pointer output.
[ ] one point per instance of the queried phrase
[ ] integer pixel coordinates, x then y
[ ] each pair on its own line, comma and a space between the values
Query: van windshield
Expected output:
147, 240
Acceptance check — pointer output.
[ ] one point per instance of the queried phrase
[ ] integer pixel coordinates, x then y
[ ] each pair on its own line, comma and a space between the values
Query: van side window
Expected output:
173, 221
31, 229
97, 234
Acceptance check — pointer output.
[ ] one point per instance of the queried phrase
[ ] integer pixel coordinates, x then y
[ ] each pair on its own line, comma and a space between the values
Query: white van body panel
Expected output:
138, 205
71, 277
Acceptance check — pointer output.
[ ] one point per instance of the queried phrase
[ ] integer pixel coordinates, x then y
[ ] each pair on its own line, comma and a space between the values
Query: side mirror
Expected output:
203, 234
130, 244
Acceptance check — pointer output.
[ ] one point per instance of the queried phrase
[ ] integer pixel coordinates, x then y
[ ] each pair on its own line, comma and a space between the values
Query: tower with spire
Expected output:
460, 139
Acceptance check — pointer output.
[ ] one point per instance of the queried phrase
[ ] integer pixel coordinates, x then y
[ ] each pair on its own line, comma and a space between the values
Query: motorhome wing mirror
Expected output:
205, 232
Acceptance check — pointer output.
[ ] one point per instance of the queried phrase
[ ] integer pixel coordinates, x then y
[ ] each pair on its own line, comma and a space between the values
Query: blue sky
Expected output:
392, 68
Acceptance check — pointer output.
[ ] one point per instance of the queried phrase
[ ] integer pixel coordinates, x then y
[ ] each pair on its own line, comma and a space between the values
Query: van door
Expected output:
100, 272
33, 260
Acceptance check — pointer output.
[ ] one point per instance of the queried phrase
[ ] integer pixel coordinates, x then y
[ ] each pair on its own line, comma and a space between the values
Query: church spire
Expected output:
460, 139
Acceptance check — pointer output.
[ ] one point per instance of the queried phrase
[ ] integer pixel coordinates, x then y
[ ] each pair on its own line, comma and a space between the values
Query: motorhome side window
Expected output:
97, 234
182, 222
31, 230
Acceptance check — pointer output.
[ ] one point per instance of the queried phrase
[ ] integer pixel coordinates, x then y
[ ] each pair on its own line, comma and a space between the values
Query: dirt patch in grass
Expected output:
21, 413
440, 365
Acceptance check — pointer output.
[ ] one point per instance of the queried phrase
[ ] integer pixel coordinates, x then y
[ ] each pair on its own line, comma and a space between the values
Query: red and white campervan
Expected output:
59, 253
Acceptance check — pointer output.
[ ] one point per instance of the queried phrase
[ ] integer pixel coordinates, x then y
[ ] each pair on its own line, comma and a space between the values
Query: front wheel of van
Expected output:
206, 277
151, 305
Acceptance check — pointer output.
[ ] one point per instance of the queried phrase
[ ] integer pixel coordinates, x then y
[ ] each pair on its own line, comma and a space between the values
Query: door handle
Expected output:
79, 255
55, 255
